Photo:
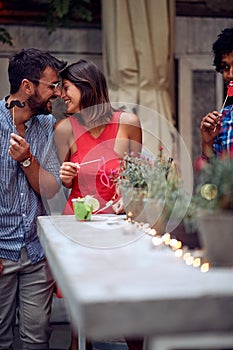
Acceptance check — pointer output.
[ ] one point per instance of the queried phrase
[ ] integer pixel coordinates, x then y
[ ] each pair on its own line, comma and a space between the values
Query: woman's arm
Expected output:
129, 137
64, 140
63, 137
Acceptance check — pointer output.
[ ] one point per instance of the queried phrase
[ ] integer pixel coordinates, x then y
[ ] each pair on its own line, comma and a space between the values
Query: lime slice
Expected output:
92, 202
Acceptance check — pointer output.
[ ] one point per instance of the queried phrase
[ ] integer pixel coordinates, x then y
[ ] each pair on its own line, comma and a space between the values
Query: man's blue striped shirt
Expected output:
20, 205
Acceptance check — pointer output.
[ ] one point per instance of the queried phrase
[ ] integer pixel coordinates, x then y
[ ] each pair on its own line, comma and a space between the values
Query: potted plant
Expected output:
152, 192
214, 202
160, 177
131, 180
169, 207
143, 183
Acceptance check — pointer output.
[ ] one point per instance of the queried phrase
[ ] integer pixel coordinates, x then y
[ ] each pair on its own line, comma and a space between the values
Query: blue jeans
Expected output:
29, 288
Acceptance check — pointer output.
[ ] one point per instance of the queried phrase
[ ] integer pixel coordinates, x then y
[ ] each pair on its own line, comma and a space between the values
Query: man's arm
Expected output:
41, 180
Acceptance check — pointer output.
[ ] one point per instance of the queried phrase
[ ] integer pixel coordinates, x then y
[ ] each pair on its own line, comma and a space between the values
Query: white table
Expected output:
117, 284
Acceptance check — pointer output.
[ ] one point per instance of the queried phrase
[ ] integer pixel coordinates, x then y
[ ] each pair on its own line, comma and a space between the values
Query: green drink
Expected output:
82, 210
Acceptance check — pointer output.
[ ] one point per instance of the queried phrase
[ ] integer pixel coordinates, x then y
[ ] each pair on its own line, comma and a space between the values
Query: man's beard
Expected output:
38, 106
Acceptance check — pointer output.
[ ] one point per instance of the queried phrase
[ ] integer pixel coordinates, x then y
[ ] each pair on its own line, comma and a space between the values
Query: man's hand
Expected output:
42, 181
19, 149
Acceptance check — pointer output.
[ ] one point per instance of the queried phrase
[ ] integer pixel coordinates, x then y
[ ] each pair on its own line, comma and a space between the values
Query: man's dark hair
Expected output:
223, 45
30, 64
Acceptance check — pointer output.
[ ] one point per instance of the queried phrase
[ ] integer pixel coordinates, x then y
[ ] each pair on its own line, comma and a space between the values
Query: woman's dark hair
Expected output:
30, 64
223, 45
91, 82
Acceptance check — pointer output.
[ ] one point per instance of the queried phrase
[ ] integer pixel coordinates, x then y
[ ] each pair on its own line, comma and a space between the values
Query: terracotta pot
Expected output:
216, 237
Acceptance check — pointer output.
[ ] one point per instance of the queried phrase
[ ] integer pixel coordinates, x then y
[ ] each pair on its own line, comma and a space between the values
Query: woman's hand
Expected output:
210, 127
68, 170
118, 206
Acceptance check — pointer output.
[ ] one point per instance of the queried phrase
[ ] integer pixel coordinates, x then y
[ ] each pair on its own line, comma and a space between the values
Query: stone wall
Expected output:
68, 44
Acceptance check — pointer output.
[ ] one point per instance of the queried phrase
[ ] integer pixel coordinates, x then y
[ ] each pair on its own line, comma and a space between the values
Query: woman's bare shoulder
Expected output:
129, 118
63, 126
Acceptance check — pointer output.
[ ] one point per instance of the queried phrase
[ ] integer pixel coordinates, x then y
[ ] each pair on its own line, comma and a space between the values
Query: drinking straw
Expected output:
90, 161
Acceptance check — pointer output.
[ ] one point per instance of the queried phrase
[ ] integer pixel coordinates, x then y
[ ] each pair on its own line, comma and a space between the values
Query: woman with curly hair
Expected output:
217, 126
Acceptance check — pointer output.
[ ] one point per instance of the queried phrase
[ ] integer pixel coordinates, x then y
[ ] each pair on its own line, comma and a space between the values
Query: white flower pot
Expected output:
155, 214
133, 203
216, 237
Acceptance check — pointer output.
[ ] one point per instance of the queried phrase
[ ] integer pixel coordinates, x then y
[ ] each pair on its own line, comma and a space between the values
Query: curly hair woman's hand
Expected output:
210, 126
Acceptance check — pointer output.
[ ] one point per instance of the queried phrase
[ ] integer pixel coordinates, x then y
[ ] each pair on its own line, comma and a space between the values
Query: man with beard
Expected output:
29, 172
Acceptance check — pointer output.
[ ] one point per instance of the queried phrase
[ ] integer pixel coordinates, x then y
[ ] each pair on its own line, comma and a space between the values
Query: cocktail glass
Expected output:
82, 211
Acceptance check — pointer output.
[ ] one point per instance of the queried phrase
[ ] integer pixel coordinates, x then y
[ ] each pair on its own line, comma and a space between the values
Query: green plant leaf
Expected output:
5, 37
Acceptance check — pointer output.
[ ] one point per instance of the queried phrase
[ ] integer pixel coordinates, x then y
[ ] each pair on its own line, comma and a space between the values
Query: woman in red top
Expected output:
94, 137
92, 140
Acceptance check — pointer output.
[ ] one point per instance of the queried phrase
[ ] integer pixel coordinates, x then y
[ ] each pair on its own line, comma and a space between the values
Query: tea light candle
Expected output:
205, 267
129, 216
197, 262
157, 241
129, 226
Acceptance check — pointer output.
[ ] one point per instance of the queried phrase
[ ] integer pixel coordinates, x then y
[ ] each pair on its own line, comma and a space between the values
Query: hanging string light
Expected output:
191, 258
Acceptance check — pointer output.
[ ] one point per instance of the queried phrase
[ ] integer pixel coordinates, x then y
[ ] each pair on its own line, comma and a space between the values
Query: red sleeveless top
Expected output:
94, 178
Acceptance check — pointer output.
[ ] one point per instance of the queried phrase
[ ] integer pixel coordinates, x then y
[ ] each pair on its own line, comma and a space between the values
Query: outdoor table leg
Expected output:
81, 341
